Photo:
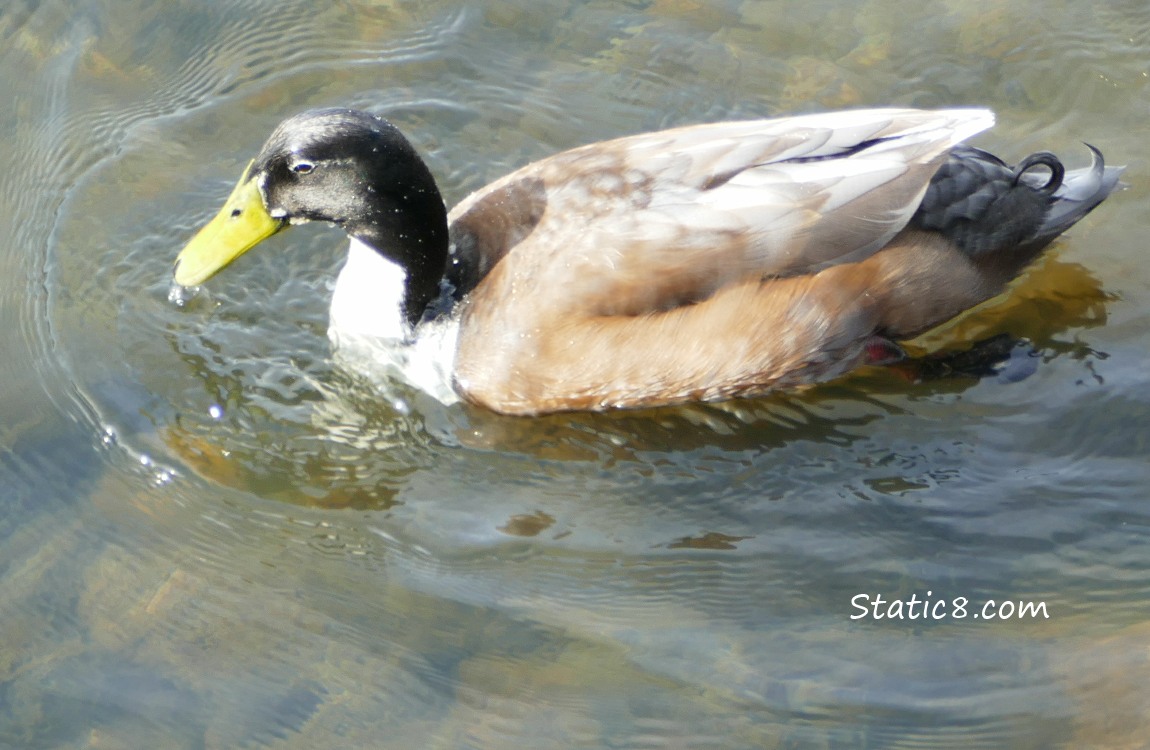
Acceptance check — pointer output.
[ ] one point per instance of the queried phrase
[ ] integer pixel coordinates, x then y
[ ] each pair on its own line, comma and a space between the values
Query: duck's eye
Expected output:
302, 167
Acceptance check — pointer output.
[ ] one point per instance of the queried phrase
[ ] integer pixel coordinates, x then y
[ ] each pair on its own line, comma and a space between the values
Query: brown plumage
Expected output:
700, 263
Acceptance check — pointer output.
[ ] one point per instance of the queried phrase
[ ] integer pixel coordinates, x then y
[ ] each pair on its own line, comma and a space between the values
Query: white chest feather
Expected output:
370, 335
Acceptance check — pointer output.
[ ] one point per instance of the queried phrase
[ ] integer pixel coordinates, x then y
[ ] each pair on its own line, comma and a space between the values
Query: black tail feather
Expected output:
987, 208
1080, 192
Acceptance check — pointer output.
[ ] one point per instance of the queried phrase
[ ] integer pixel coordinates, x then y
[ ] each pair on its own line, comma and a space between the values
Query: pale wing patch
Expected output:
651, 221
831, 185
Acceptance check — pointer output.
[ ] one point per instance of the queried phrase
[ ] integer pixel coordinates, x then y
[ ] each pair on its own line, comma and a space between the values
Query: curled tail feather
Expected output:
1081, 190
985, 207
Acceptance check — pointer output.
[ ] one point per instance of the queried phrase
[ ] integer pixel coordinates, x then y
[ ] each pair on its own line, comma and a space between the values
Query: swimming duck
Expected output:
700, 263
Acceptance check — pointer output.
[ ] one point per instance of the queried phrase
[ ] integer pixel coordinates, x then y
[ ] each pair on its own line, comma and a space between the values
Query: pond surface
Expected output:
211, 537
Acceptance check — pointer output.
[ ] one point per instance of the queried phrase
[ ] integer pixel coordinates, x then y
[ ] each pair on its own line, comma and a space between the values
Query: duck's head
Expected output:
350, 168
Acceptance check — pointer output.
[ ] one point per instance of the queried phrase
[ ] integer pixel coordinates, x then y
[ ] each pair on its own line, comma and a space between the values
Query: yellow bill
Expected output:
240, 225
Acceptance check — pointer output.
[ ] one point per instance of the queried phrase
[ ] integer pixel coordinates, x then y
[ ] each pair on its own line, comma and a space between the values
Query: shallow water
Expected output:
210, 537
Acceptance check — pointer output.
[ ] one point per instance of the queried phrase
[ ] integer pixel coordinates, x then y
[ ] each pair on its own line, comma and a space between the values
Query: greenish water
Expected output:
212, 538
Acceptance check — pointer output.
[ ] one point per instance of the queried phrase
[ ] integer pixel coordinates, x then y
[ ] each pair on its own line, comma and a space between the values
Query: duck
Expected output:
701, 263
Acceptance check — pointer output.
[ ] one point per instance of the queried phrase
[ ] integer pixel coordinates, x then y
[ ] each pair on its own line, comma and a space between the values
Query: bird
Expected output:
700, 263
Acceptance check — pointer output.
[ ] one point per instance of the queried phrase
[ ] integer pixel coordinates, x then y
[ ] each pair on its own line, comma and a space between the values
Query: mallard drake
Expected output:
700, 263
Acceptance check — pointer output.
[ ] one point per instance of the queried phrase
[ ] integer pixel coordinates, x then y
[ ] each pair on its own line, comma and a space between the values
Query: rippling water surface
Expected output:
210, 537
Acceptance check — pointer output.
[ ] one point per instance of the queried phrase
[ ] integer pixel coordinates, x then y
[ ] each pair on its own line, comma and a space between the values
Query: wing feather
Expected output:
653, 221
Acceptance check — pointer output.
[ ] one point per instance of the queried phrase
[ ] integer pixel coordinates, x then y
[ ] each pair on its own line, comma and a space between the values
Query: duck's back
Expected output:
685, 211
701, 262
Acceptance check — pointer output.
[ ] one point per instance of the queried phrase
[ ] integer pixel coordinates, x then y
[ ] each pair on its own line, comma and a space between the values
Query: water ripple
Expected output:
207, 521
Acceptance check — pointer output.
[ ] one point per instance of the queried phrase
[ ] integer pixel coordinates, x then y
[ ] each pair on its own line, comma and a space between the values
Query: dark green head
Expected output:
346, 167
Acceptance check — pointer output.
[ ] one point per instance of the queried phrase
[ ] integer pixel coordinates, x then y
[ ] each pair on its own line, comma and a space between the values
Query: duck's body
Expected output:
699, 263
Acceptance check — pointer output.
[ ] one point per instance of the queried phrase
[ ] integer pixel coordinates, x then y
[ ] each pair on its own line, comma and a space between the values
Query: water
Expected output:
212, 538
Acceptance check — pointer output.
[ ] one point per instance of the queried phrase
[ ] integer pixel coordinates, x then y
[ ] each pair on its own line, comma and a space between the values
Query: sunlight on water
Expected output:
214, 537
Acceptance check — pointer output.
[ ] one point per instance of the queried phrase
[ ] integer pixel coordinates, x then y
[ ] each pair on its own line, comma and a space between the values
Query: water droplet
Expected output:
215, 411
180, 296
